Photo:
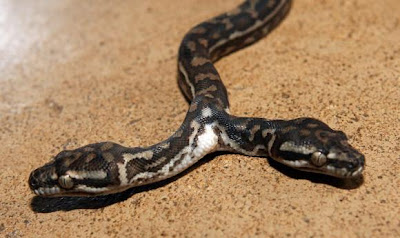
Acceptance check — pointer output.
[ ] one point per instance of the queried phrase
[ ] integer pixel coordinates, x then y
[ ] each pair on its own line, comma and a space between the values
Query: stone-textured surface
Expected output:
76, 72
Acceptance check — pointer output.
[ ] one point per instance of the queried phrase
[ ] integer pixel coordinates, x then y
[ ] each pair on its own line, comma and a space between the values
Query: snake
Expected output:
305, 144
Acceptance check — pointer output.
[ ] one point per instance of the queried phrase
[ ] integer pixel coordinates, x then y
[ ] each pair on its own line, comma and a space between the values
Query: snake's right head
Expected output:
89, 170
311, 145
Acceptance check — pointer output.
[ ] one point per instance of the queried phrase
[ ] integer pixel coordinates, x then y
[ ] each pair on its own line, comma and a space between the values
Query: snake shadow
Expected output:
53, 204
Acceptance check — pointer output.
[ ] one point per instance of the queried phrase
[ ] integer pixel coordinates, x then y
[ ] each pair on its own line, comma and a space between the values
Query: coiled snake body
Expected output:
303, 143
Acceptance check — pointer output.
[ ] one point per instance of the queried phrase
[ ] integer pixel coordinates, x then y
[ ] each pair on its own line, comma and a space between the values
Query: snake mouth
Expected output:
78, 191
47, 191
334, 171
328, 169
57, 192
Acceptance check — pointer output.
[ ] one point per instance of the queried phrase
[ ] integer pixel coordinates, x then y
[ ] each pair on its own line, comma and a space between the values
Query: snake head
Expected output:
85, 171
311, 145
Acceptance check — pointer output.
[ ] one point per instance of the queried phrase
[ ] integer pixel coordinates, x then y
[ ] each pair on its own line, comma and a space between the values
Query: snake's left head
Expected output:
84, 171
311, 145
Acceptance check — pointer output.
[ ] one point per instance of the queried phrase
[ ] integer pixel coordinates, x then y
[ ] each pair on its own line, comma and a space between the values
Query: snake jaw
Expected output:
345, 170
342, 165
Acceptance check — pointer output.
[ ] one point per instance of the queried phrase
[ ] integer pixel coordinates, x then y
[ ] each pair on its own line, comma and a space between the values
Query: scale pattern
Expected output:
304, 143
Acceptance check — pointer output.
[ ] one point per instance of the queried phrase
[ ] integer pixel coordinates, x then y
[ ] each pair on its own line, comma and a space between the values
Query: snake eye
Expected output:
318, 158
66, 181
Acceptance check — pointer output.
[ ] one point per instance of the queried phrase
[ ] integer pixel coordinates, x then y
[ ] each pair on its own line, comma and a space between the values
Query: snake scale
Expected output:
303, 143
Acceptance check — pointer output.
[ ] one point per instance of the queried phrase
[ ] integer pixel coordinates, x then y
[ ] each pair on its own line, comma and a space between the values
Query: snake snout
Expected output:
33, 181
357, 165
348, 163
43, 181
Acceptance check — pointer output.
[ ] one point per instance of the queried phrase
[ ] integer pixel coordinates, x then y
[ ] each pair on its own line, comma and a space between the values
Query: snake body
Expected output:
303, 143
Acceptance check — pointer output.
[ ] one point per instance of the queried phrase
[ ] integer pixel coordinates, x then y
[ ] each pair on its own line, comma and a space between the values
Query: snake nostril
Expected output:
351, 166
356, 164
33, 180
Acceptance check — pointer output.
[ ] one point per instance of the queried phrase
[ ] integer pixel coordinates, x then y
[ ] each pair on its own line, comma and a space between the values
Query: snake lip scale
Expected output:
303, 143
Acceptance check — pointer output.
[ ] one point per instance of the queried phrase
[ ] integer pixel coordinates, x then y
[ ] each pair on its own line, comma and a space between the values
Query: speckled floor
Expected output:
77, 72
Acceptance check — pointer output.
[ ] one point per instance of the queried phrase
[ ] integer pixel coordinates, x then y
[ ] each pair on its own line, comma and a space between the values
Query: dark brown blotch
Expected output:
212, 88
68, 160
88, 149
288, 128
133, 168
178, 133
203, 42
191, 45
106, 146
109, 157
198, 30
193, 107
90, 157
198, 61
322, 136
312, 125
210, 76
253, 131
305, 132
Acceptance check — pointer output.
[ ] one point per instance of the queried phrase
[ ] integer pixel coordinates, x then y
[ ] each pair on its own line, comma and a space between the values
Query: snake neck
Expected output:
219, 36
206, 129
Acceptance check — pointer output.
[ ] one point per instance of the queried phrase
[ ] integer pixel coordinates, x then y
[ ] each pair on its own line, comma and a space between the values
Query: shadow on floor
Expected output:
53, 204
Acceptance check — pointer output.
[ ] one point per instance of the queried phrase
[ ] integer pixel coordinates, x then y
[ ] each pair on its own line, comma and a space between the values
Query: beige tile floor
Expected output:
76, 72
